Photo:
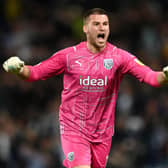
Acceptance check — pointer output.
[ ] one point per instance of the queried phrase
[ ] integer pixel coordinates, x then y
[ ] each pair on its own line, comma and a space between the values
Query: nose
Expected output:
101, 27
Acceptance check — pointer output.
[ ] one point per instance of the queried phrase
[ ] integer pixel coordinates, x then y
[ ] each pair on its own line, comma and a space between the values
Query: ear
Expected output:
84, 28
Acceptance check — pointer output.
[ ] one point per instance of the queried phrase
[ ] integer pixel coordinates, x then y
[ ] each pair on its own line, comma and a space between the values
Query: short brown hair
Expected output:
94, 11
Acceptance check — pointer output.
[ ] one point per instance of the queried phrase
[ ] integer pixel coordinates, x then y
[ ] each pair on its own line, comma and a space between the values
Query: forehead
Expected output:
98, 18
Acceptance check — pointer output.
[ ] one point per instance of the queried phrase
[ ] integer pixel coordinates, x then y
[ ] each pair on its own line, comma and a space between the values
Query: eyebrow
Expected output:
99, 22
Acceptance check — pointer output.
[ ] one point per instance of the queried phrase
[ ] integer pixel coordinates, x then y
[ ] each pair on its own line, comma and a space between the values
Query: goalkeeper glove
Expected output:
13, 65
165, 71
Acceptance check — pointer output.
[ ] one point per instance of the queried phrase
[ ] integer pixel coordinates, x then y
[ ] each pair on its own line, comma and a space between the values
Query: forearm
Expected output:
151, 78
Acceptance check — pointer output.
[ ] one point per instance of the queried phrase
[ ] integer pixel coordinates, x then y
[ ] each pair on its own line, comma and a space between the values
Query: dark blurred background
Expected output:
34, 30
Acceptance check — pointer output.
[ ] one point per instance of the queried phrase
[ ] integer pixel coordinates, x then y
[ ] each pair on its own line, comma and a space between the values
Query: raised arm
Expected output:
132, 65
52, 66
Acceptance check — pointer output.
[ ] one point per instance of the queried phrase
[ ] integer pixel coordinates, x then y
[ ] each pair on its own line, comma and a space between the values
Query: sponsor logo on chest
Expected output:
92, 81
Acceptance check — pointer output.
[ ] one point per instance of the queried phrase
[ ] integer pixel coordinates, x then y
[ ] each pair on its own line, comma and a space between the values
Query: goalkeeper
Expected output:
93, 71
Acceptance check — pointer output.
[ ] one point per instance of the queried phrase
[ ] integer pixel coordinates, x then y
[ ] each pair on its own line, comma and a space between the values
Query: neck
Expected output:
95, 49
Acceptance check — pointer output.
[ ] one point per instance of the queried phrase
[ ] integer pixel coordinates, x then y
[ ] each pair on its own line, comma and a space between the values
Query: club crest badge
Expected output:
108, 63
71, 156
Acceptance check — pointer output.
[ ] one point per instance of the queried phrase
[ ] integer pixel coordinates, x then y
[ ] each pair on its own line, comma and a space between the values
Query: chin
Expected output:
101, 45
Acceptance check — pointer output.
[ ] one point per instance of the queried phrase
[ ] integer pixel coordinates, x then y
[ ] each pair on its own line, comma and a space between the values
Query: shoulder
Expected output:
119, 51
64, 51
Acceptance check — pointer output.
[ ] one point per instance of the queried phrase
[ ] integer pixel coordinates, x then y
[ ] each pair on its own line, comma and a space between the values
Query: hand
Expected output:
13, 65
165, 71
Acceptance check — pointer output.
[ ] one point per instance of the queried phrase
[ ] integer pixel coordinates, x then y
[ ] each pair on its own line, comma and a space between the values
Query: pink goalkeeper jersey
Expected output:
91, 84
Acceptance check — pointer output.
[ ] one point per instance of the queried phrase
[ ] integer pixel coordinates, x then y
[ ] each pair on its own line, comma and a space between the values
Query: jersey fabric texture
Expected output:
91, 84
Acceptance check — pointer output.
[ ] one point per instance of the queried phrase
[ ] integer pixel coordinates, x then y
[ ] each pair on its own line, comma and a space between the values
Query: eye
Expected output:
105, 23
96, 23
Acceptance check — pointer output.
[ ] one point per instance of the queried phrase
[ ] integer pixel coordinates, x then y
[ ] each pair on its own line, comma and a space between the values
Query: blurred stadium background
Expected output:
34, 30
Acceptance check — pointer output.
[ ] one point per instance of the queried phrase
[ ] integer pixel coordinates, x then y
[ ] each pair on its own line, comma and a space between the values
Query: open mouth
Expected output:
101, 36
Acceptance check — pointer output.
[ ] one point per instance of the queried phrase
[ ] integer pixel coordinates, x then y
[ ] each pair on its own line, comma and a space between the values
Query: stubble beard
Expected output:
96, 46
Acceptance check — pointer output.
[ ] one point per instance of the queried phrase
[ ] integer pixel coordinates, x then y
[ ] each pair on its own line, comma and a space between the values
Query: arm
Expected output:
142, 72
157, 78
47, 68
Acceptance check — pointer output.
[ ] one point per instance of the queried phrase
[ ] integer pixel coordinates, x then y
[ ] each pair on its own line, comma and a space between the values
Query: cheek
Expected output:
92, 34
92, 28
92, 31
